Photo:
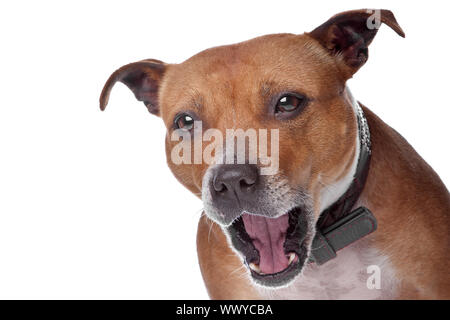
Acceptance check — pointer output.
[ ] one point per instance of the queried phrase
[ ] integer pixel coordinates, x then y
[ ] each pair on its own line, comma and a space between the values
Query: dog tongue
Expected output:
268, 236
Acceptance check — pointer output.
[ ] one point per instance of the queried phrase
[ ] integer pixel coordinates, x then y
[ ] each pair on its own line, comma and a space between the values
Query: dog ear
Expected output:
348, 35
143, 78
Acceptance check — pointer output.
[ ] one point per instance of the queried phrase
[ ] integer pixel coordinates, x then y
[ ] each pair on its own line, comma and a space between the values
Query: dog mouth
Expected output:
274, 249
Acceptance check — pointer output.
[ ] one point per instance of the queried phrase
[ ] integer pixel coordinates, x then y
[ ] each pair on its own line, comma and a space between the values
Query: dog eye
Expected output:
289, 103
184, 121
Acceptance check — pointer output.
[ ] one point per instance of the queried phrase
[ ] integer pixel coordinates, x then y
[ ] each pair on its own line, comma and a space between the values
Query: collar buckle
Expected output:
342, 233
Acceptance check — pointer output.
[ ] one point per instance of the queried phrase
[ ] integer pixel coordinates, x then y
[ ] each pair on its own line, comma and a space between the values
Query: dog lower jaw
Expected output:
292, 256
280, 279
296, 246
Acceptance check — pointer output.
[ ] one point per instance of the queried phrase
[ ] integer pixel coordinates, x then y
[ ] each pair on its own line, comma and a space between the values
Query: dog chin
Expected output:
274, 249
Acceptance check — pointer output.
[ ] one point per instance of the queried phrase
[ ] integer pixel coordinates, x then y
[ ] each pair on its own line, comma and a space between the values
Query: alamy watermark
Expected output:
374, 280
250, 146
374, 20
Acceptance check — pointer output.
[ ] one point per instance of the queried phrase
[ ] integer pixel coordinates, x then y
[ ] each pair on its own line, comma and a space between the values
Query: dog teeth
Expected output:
255, 267
292, 256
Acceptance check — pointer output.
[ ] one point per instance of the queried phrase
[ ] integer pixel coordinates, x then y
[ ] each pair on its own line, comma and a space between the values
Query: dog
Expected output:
352, 211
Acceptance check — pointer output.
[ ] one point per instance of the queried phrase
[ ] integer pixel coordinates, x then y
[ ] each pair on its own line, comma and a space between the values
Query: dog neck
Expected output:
339, 226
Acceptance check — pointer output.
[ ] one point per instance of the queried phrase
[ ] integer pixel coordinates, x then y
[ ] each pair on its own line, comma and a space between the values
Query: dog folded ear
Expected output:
143, 78
348, 35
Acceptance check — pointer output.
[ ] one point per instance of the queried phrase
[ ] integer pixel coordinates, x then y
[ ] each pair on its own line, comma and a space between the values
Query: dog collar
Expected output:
338, 226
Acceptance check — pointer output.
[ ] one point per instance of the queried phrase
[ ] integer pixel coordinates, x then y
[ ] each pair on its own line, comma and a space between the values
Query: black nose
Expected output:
235, 181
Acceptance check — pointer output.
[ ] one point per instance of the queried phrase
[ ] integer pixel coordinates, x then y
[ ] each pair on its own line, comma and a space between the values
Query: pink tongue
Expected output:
268, 237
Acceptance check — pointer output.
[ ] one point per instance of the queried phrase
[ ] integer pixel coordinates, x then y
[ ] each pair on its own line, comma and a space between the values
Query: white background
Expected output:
88, 207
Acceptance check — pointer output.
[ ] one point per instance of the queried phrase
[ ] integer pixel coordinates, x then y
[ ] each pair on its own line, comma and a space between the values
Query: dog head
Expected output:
285, 97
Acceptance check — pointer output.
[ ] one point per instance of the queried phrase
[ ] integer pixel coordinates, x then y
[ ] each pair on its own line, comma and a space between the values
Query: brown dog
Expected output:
307, 231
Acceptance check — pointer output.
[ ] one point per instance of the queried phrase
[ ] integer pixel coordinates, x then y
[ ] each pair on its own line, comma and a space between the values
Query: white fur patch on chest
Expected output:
344, 277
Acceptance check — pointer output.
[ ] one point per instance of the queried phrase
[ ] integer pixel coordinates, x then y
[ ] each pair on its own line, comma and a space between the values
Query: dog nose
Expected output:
235, 180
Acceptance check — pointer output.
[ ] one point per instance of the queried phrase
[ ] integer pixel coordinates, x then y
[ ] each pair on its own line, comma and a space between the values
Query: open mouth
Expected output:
273, 248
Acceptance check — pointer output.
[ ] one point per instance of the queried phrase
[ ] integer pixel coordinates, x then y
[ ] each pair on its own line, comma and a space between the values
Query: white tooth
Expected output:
291, 257
254, 267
